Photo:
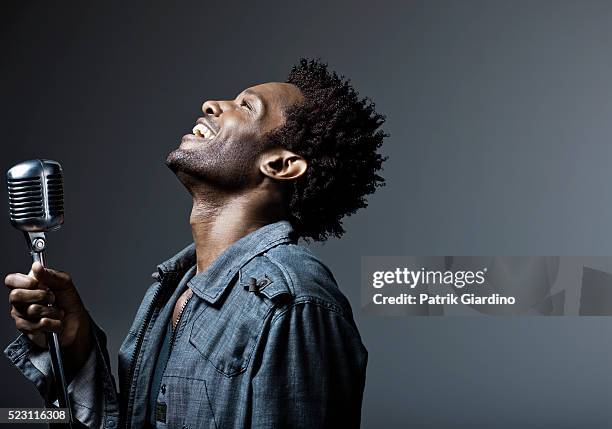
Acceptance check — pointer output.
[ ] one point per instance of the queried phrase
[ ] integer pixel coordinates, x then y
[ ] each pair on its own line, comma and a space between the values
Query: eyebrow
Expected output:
249, 92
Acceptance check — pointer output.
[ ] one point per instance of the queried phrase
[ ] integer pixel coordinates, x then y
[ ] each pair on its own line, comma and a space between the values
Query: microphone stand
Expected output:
37, 244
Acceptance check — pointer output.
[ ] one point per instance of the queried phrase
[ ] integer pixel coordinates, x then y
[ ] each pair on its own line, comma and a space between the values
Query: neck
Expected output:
216, 223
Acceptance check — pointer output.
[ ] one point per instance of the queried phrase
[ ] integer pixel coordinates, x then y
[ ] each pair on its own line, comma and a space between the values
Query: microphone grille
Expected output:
55, 192
25, 198
36, 195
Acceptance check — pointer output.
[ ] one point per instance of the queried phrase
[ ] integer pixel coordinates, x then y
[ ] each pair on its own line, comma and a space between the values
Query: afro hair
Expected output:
339, 135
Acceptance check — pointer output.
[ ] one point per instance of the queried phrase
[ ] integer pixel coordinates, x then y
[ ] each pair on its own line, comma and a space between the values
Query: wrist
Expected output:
76, 354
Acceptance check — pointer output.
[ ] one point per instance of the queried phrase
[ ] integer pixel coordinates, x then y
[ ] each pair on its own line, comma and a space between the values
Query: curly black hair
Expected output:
338, 134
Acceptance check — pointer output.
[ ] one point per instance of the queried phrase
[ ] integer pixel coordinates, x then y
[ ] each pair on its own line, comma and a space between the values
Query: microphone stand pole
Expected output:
37, 244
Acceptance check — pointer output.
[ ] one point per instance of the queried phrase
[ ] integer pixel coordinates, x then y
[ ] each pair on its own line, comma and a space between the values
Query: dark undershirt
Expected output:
163, 356
160, 366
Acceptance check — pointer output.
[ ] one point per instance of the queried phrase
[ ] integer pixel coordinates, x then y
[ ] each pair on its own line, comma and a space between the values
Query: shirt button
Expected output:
110, 423
163, 389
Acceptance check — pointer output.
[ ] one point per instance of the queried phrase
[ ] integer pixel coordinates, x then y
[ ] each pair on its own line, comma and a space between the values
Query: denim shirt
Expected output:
266, 341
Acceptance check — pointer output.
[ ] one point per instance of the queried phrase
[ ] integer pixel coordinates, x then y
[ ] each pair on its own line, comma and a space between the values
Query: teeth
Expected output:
201, 130
196, 130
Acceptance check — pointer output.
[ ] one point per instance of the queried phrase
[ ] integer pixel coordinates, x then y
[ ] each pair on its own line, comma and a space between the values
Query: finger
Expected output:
40, 311
52, 279
50, 325
20, 281
24, 325
34, 312
38, 296
44, 325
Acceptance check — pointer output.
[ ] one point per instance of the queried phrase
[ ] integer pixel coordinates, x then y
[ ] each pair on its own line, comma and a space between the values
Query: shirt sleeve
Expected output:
311, 372
92, 391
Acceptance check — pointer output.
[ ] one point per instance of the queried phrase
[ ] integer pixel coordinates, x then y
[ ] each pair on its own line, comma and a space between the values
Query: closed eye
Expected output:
245, 104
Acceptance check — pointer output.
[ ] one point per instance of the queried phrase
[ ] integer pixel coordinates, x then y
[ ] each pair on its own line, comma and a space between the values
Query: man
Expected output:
243, 328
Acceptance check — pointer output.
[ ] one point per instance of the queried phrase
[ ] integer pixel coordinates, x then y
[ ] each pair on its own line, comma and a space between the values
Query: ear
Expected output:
282, 164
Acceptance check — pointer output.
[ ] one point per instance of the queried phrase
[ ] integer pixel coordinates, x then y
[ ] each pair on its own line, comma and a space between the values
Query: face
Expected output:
226, 144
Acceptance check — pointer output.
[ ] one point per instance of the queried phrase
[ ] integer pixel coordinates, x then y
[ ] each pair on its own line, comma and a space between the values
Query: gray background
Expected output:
500, 119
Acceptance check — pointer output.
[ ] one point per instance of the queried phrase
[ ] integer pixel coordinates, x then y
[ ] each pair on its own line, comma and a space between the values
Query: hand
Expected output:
29, 297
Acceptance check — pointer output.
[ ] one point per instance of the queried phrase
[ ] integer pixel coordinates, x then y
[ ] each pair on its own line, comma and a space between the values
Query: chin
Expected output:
228, 173
181, 160
173, 160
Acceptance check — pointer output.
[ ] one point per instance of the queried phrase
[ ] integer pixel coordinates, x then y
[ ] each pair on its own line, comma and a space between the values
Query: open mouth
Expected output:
205, 129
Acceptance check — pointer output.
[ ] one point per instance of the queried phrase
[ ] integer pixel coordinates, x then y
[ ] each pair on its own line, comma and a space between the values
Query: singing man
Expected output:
244, 328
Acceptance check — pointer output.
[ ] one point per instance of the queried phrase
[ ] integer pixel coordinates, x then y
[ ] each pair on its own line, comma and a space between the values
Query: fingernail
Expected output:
51, 297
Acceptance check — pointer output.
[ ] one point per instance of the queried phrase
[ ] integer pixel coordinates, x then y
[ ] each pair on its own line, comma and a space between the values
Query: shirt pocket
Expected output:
185, 404
226, 336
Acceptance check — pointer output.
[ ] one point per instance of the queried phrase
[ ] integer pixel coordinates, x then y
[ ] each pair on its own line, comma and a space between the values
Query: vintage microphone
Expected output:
36, 205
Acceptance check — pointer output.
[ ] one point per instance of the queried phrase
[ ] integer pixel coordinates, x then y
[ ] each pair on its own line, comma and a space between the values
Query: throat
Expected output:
216, 226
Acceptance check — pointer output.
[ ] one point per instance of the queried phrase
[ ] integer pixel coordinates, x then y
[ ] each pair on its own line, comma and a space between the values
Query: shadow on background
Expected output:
499, 115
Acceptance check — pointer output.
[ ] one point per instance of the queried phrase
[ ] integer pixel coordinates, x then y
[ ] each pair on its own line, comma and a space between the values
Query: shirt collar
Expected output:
211, 283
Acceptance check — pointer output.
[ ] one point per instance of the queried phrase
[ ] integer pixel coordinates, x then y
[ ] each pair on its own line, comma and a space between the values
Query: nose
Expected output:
216, 108
211, 107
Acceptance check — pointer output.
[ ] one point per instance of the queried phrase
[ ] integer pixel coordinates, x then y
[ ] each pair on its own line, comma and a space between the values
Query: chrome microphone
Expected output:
36, 205
36, 195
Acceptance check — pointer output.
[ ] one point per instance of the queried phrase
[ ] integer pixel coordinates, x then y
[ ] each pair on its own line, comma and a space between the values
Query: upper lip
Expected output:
210, 124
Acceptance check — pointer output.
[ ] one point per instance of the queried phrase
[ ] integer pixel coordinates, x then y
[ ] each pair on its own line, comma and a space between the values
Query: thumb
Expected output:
50, 278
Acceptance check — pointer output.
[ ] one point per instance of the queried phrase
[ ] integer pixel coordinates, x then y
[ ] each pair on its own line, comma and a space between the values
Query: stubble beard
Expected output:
229, 171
